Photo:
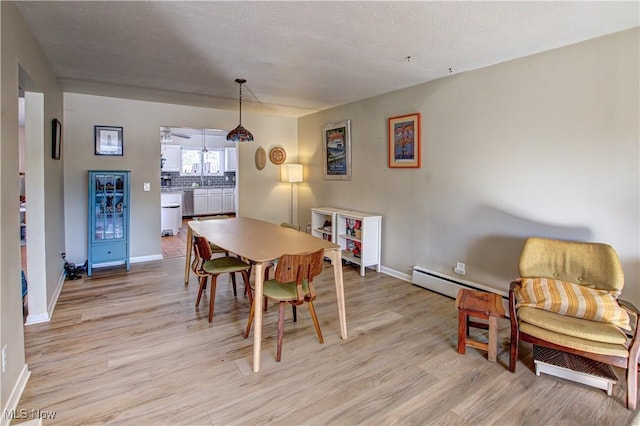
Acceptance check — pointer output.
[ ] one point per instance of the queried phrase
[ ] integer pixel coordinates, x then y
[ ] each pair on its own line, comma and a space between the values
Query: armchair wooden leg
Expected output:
212, 297
513, 353
632, 386
280, 330
463, 330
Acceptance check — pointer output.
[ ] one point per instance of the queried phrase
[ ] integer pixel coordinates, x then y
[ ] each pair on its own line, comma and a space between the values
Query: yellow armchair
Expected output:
592, 270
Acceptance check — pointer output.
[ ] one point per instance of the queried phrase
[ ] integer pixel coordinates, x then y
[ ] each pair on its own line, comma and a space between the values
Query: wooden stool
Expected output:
479, 304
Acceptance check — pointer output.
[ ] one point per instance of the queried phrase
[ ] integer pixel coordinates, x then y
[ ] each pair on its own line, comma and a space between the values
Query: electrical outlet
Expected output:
4, 358
460, 268
147, 186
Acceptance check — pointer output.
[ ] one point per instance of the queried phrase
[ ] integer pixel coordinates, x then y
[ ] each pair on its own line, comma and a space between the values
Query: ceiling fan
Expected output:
167, 135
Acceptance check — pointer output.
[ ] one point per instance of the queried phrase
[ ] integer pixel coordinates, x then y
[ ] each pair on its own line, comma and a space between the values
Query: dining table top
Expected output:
258, 240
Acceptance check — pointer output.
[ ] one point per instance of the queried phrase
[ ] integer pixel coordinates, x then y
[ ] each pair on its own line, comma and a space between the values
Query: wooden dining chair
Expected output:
204, 266
293, 284
270, 266
215, 249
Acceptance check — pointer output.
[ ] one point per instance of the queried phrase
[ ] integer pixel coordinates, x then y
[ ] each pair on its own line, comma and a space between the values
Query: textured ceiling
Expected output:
302, 56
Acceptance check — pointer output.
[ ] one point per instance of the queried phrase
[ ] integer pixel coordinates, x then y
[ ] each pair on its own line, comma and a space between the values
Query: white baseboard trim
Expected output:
140, 259
16, 394
396, 274
46, 316
137, 259
37, 318
56, 294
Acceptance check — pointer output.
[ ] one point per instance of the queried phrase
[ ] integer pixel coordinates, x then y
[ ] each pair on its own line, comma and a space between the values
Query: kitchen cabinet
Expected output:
172, 156
207, 201
230, 159
108, 233
200, 201
228, 200
214, 201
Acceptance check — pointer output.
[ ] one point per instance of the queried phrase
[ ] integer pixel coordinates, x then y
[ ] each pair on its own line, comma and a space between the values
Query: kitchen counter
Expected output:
191, 188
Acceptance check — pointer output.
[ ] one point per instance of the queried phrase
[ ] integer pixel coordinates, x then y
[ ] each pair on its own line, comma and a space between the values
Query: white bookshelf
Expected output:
319, 217
359, 236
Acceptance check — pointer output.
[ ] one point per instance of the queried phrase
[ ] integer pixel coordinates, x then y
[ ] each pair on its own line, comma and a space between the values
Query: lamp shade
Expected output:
291, 173
240, 134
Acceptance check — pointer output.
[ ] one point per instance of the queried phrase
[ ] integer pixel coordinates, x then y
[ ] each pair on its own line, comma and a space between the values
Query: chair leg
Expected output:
632, 385
233, 281
203, 285
315, 321
513, 353
280, 330
463, 330
212, 297
246, 332
247, 286
295, 313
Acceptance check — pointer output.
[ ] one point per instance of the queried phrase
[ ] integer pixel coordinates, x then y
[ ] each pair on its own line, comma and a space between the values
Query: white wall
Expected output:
260, 193
545, 145
24, 63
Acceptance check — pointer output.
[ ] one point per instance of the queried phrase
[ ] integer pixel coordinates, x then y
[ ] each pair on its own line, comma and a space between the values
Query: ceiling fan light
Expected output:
240, 134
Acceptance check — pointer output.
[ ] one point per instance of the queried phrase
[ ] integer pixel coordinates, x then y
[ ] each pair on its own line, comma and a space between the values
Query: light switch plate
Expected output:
147, 186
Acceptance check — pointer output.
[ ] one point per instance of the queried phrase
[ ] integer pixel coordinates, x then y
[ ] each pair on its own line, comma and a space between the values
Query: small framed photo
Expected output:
56, 138
404, 141
108, 140
336, 150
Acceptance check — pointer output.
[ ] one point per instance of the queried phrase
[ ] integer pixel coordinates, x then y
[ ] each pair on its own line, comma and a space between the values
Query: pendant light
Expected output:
240, 134
204, 144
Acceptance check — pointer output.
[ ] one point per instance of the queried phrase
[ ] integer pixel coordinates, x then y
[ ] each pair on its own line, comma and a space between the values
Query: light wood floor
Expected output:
130, 348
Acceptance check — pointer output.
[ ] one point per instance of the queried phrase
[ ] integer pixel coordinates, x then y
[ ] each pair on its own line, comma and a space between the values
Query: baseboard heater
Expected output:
448, 285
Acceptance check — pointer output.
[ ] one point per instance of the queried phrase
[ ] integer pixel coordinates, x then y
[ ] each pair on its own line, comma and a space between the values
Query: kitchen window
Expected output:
196, 163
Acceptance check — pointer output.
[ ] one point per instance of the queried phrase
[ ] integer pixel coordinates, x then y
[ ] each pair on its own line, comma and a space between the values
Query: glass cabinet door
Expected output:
109, 204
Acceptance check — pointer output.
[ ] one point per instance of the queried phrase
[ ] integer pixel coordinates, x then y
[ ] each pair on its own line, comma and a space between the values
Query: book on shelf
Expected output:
350, 245
357, 248
352, 226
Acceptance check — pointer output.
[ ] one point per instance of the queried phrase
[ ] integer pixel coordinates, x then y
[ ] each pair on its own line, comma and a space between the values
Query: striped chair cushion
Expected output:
566, 298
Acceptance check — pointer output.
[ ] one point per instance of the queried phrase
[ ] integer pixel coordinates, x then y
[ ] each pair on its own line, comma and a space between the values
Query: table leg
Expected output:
493, 339
257, 315
336, 261
188, 255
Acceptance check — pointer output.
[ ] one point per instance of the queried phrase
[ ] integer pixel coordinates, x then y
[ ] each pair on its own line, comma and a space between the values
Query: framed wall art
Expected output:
336, 150
108, 140
404, 141
56, 138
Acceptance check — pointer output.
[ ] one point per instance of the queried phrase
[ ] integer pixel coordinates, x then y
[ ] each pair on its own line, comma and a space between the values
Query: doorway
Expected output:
32, 209
197, 167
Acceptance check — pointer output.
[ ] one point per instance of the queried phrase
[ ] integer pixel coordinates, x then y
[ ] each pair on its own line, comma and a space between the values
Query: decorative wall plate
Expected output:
277, 155
261, 158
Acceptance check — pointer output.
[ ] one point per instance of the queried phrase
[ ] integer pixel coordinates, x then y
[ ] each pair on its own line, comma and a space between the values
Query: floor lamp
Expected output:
291, 173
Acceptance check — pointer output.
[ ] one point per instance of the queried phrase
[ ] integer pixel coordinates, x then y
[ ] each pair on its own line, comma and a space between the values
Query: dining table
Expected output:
261, 243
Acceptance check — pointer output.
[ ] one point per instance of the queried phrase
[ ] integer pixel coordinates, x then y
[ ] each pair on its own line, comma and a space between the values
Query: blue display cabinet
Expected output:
108, 219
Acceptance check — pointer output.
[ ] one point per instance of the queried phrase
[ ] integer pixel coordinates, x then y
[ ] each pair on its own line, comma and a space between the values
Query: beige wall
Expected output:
545, 145
261, 194
24, 63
